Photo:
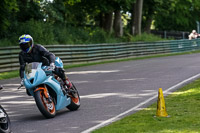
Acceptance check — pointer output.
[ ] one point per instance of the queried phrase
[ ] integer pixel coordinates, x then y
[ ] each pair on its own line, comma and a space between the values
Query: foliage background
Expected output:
96, 21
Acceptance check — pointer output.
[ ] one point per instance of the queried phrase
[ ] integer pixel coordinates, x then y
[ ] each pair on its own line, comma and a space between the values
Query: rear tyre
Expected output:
5, 126
75, 99
46, 108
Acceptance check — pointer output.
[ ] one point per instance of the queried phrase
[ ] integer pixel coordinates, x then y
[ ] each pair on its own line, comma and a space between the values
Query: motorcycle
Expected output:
48, 91
5, 125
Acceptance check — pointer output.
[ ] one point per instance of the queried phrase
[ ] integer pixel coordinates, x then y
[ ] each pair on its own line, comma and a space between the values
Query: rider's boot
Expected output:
67, 85
69, 88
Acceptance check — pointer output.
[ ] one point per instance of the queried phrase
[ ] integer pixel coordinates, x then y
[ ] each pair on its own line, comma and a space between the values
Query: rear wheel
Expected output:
5, 126
46, 107
75, 99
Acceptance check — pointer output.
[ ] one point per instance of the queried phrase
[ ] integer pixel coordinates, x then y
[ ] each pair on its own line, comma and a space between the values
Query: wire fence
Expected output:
71, 54
171, 34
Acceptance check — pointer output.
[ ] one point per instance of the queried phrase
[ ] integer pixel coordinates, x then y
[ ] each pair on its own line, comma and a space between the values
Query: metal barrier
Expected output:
97, 52
171, 34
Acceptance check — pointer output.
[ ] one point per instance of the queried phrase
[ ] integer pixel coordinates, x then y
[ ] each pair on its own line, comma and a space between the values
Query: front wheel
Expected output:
46, 107
75, 99
5, 126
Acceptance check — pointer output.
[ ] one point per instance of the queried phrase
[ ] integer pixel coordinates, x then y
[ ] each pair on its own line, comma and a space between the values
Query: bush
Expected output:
62, 35
145, 38
48, 34
5, 42
98, 35
40, 31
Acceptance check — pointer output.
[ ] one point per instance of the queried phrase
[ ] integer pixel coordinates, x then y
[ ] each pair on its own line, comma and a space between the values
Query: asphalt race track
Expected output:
108, 92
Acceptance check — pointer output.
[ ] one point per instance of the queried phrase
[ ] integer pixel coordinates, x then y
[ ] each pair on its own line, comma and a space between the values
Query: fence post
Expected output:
165, 34
198, 27
183, 35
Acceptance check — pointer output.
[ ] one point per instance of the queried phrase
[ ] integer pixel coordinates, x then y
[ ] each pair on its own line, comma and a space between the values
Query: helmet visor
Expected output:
25, 46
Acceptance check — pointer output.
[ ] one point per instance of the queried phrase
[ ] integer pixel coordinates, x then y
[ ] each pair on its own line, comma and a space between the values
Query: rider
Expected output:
31, 52
193, 35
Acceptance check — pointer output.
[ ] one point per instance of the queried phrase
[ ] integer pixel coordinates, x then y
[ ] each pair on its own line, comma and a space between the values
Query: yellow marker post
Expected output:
161, 109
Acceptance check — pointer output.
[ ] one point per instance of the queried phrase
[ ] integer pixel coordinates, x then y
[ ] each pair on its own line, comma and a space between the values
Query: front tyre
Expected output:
5, 126
75, 99
46, 108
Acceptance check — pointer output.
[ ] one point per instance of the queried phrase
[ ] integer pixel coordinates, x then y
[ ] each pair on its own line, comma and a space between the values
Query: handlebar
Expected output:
20, 87
48, 69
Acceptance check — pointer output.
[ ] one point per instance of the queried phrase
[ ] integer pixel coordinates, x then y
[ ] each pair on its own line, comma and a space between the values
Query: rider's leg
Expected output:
61, 73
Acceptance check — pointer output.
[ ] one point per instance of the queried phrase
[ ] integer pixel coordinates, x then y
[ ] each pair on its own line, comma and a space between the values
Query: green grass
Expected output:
146, 38
8, 75
12, 74
183, 106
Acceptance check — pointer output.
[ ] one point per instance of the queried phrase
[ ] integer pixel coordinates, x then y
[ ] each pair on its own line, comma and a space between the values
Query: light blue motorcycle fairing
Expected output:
58, 62
62, 100
41, 78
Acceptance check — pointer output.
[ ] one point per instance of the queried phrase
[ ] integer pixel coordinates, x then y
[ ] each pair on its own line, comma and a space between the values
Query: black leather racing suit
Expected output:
39, 54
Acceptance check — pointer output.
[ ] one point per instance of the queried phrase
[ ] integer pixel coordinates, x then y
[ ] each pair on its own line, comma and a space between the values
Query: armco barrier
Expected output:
97, 52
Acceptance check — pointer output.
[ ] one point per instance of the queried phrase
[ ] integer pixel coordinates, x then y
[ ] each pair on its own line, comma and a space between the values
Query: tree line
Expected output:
118, 17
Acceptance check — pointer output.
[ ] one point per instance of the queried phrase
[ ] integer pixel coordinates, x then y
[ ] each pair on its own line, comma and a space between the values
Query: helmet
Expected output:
193, 31
26, 43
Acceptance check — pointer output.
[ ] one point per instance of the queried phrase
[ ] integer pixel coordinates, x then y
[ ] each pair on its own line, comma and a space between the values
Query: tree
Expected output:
178, 15
104, 13
7, 9
137, 17
118, 26
149, 13
120, 6
29, 9
106, 21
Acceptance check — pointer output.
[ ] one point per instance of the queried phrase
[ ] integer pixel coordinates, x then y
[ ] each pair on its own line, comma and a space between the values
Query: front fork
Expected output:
45, 91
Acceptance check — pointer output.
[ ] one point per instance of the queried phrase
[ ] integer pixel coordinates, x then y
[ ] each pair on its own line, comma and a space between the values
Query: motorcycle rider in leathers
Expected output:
31, 52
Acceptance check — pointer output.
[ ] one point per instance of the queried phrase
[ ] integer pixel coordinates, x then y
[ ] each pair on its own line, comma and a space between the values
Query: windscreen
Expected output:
30, 69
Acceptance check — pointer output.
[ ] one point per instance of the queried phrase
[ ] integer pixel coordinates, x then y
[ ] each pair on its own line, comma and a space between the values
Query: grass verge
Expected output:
12, 74
183, 107
8, 75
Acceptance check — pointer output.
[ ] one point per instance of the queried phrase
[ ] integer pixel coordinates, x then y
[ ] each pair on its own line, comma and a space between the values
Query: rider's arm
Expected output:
50, 56
22, 65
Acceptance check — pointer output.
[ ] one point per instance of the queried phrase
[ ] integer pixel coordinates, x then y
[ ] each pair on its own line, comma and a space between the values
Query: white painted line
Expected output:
137, 107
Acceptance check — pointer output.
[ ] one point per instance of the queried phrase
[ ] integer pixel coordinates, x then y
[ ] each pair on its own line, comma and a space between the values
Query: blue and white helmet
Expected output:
26, 43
